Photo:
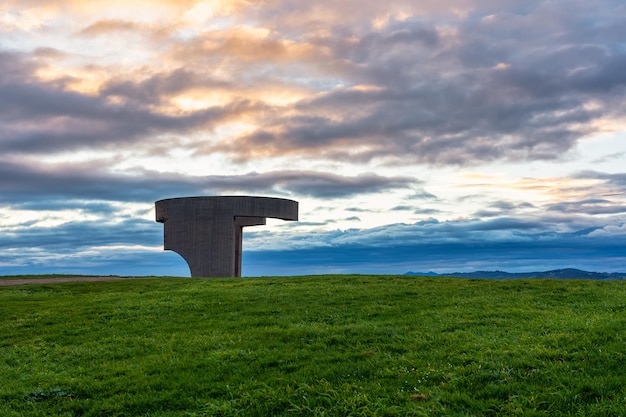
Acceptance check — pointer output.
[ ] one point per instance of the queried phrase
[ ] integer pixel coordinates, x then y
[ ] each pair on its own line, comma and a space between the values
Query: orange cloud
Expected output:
105, 26
247, 44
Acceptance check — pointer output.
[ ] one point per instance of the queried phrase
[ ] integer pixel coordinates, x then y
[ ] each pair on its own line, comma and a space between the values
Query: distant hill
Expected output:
567, 273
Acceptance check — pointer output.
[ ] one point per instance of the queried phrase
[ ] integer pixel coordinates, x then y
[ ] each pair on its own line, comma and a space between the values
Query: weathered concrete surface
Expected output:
207, 231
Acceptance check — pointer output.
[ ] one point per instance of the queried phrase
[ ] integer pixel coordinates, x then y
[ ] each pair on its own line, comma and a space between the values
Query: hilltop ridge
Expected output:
566, 273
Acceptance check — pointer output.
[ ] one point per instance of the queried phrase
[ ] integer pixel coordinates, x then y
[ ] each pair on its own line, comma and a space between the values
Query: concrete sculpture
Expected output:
207, 231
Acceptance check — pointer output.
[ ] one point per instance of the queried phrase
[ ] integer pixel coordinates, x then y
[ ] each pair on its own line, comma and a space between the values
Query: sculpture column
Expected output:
240, 223
207, 231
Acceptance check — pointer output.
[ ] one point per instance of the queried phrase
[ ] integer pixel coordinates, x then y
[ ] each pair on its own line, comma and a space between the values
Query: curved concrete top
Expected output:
207, 231
277, 208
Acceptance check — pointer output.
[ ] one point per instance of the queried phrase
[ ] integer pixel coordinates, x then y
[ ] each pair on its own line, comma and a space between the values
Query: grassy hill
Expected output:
314, 346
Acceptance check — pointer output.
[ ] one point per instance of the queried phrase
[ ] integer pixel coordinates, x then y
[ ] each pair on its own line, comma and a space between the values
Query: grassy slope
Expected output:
12, 277
333, 346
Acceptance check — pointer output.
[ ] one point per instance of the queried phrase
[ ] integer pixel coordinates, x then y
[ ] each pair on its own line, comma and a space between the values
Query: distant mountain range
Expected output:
567, 273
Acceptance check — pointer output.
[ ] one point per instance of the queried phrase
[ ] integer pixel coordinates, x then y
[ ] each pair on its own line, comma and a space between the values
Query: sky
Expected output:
445, 136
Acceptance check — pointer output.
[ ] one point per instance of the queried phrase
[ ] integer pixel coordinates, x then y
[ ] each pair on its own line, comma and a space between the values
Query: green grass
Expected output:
12, 277
314, 346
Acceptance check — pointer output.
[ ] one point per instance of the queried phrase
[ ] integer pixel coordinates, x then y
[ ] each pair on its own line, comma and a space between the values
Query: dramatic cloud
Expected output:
509, 90
24, 182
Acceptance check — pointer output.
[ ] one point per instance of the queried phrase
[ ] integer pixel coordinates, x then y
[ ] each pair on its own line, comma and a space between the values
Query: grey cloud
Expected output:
500, 208
447, 101
102, 208
610, 157
309, 183
591, 207
24, 181
301, 223
154, 89
417, 210
560, 252
400, 125
358, 210
47, 52
14, 66
439, 95
617, 180
427, 211
501, 243
324, 185
422, 195
91, 121
580, 69
508, 206
504, 230
70, 237
31, 249
390, 44
487, 213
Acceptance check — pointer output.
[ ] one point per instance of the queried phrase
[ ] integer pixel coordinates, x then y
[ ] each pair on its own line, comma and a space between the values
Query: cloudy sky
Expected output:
447, 135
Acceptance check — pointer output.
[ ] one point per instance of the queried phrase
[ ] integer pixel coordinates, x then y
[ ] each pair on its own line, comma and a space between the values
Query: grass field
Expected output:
314, 346
19, 277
